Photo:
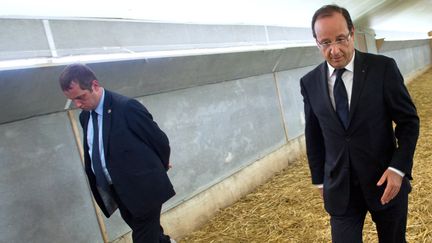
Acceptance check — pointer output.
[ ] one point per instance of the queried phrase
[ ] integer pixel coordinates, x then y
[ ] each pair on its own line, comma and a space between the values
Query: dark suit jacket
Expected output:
370, 144
136, 153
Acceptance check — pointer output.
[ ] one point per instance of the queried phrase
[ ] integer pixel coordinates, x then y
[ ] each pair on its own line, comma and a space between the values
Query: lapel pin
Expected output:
109, 111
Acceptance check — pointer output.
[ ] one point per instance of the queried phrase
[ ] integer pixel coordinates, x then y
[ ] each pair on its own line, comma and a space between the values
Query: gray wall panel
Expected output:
121, 36
29, 92
399, 45
22, 38
43, 193
290, 34
296, 57
216, 129
35, 91
143, 77
292, 100
411, 59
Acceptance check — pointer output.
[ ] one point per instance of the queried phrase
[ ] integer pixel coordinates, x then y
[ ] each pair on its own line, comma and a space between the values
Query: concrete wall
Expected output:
43, 196
22, 38
233, 120
410, 56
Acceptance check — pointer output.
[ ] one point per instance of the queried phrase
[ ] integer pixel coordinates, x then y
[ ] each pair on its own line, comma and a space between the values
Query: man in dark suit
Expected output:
357, 159
126, 154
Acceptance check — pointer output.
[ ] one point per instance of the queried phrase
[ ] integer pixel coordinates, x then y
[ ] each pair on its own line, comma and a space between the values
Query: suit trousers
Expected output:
390, 222
146, 228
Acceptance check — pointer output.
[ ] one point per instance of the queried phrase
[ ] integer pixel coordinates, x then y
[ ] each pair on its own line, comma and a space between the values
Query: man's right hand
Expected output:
321, 190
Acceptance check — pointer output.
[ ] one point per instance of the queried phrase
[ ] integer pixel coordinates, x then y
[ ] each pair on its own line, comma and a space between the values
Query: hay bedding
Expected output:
289, 209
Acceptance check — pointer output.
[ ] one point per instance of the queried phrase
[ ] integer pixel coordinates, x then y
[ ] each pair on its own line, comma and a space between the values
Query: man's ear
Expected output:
95, 85
352, 32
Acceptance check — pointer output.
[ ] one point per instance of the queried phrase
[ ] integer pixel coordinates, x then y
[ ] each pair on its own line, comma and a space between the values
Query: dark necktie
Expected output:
96, 158
341, 98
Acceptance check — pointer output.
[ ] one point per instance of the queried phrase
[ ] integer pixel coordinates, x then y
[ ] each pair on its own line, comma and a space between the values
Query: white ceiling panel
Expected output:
410, 16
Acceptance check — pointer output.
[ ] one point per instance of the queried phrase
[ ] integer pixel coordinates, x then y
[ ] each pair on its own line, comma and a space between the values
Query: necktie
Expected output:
96, 158
341, 98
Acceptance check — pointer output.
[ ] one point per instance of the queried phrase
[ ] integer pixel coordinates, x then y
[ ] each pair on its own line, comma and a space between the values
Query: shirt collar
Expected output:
349, 66
99, 108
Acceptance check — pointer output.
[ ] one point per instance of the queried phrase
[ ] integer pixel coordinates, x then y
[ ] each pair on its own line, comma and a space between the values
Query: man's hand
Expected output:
321, 190
394, 182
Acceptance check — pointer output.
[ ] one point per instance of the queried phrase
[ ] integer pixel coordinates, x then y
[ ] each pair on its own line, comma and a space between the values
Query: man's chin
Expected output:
338, 64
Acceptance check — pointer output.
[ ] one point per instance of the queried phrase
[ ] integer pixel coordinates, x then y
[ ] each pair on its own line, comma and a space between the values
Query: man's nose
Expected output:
334, 49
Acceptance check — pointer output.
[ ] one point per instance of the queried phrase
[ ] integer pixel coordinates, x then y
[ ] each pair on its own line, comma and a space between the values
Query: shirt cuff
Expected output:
397, 171
319, 185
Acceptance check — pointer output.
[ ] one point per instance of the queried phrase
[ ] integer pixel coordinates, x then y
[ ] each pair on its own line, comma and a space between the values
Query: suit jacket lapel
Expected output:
84, 119
324, 85
106, 121
360, 69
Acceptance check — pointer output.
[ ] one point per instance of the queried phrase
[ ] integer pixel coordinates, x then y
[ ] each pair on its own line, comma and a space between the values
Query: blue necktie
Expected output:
96, 158
341, 98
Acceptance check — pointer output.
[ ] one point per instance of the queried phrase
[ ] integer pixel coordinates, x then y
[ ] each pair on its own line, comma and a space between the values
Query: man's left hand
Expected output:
394, 182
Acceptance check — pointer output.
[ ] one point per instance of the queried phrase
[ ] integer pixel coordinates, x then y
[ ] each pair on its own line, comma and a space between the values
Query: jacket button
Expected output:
347, 139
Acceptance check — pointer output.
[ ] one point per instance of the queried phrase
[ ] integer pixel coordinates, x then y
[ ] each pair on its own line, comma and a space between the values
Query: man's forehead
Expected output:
74, 84
74, 91
331, 24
